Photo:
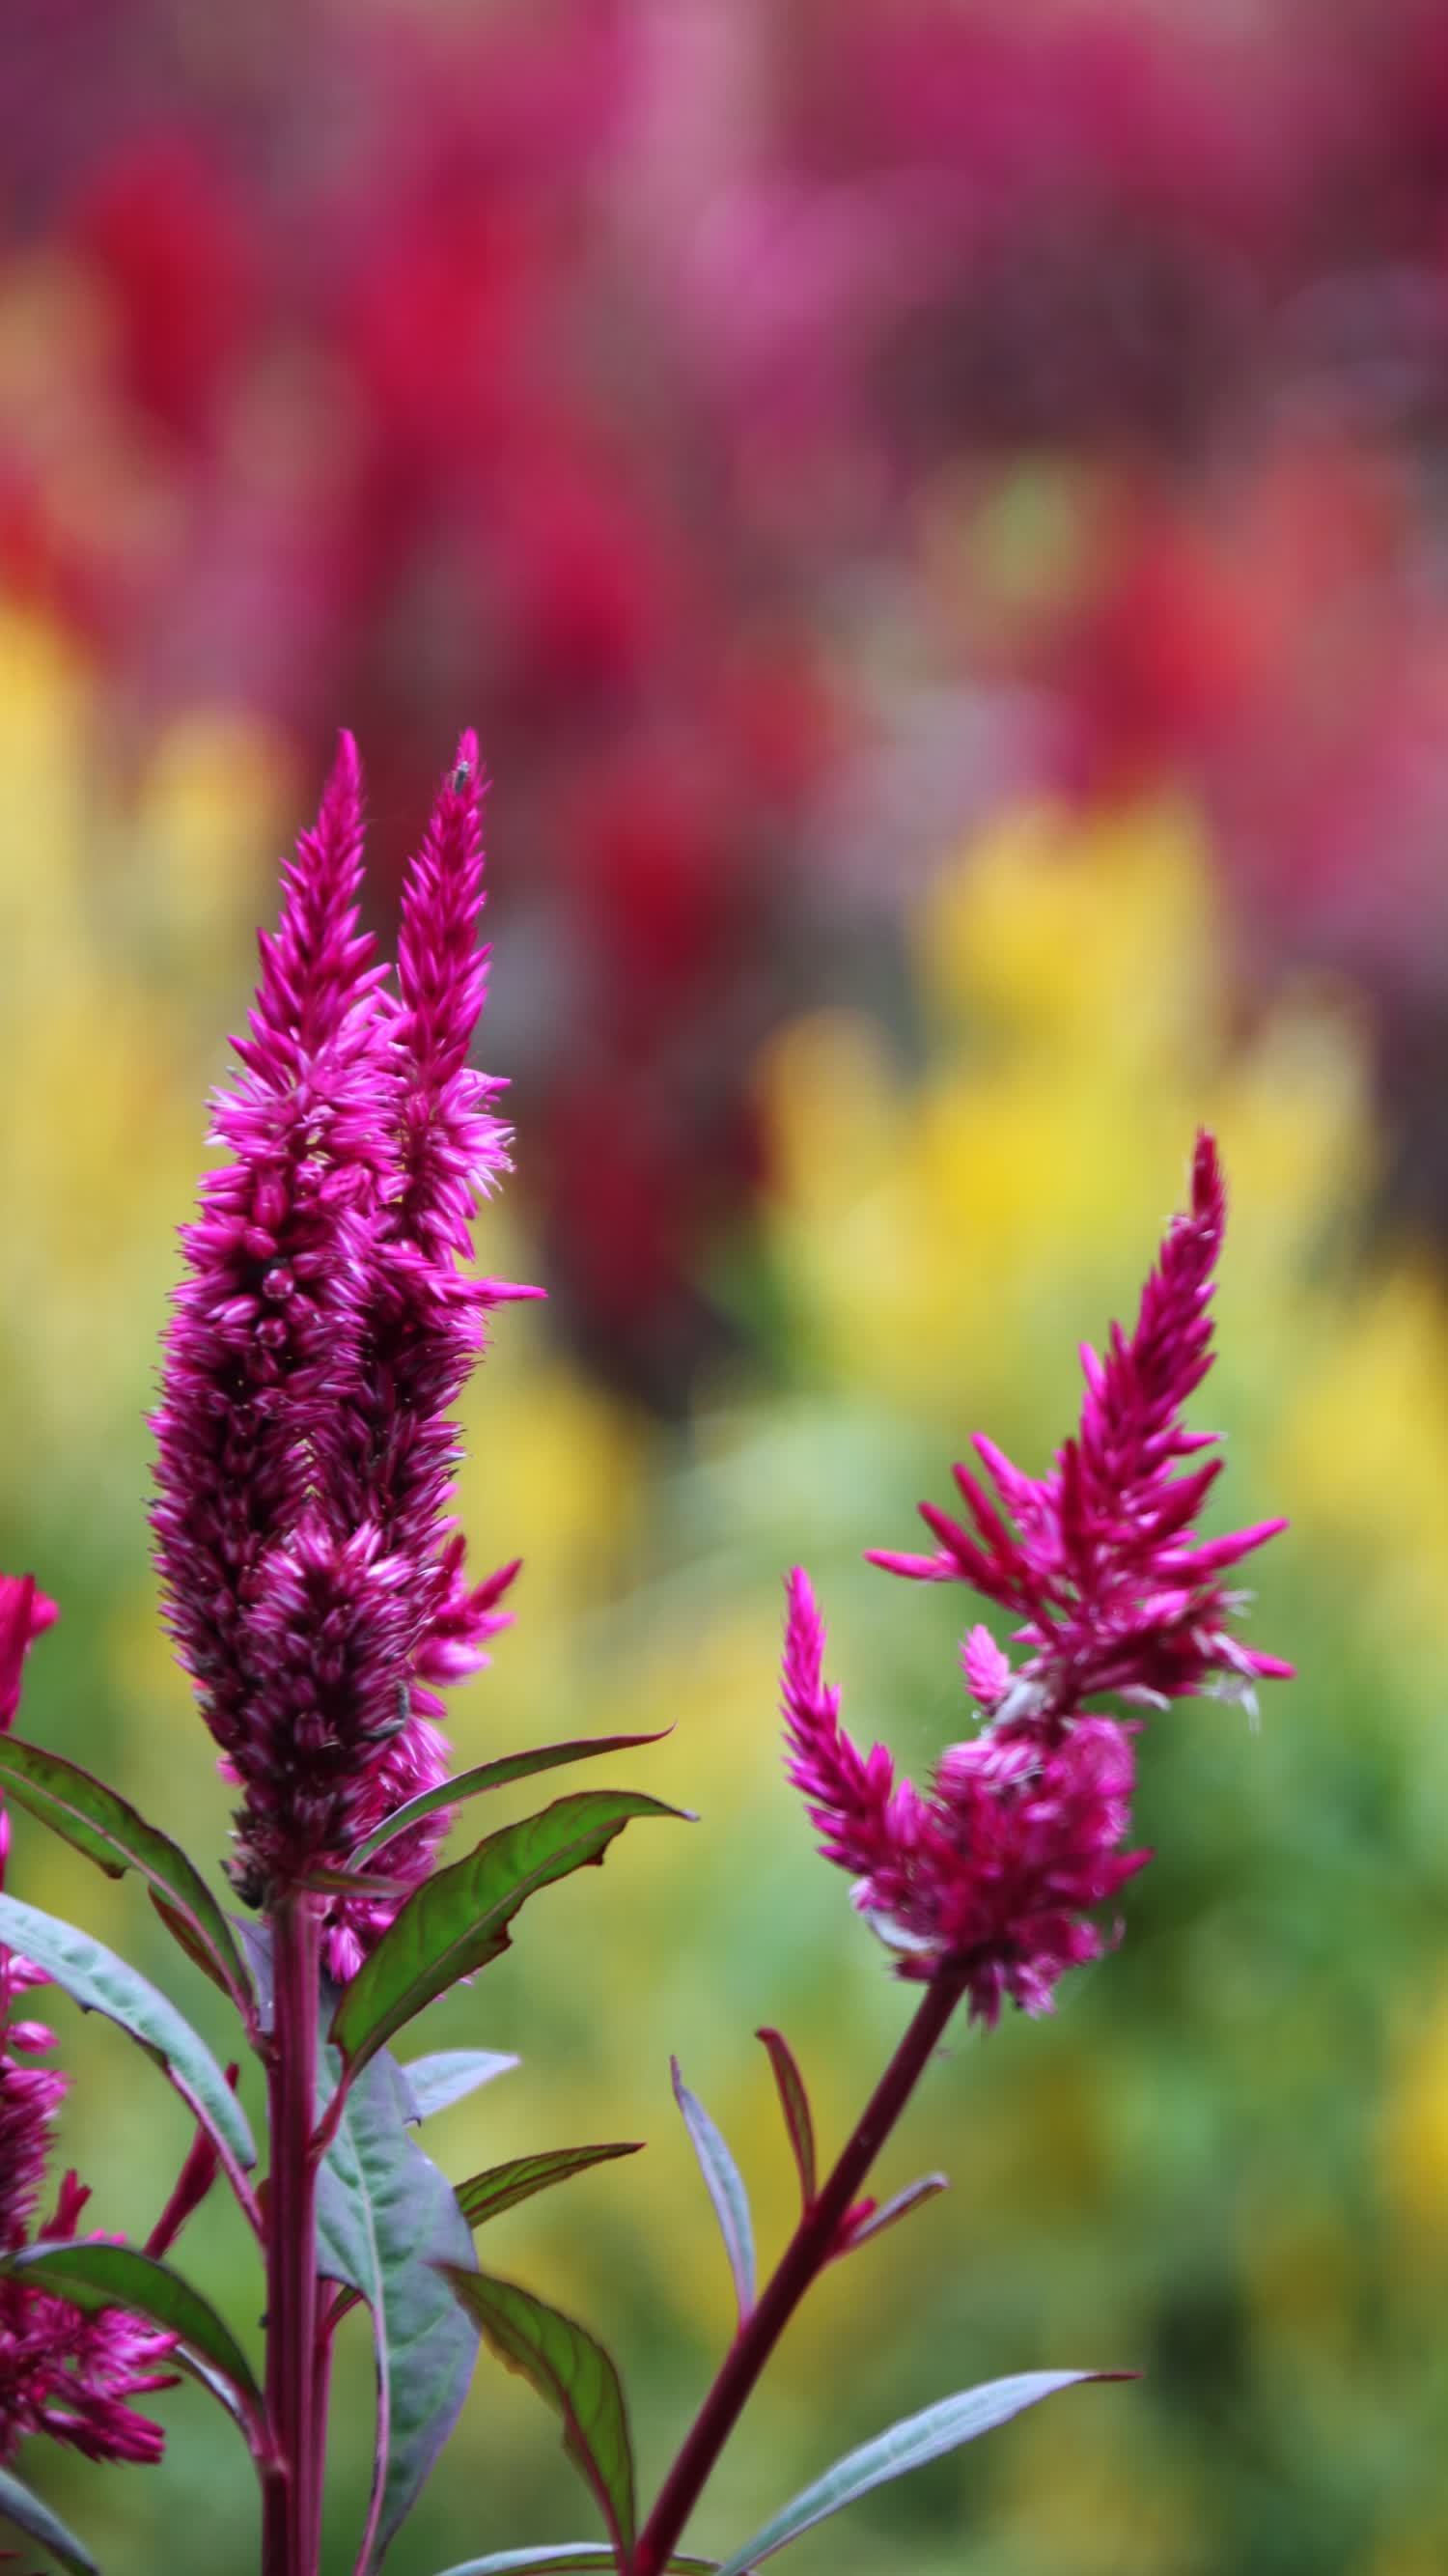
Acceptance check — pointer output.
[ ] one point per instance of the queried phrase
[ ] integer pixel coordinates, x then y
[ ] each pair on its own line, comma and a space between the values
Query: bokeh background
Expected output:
940, 512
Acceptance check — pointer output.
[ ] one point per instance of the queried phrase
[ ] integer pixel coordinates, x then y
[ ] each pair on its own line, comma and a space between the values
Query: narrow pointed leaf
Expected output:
385, 2220
908, 2445
32, 2516
449, 2076
574, 2373
354, 1882
92, 2275
567, 2558
93, 1820
487, 2195
496, 1775
892, 2211
100, 1982
794, 2102
725, 2186
458, 1919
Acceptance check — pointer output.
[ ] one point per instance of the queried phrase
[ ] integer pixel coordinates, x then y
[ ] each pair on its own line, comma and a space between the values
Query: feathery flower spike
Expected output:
313, 1581
999, 1867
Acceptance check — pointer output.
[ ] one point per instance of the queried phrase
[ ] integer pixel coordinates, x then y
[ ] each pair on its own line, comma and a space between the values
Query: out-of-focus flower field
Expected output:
938, 513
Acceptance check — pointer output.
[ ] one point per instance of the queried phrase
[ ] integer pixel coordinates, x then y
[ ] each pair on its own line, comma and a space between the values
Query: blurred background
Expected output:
940, 513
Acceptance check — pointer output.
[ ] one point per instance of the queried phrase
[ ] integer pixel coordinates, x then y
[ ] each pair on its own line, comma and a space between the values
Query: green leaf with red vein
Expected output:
575, 2375
93, 1820
458, 1920
495, 1775
487, 2195
92, 2275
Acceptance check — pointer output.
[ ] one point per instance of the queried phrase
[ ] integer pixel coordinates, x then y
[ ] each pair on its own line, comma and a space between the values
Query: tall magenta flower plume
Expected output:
313, 1582
996, 1869
61, 2372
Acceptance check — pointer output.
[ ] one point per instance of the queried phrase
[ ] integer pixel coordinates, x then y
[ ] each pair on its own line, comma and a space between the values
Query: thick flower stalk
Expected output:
997, 1869
61, 2372
313, 1582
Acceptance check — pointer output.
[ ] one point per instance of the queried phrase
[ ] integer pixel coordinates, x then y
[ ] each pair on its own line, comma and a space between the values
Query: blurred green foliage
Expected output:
1225, 2162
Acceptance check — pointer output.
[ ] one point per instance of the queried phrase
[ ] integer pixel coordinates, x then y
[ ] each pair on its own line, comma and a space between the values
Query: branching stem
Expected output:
804, 2258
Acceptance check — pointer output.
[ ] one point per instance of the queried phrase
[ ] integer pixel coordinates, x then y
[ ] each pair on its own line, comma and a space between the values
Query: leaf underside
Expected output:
100, 1982
386, 2218
907, 2445
450, 2075
30, 2514
567, 2558
725, 2185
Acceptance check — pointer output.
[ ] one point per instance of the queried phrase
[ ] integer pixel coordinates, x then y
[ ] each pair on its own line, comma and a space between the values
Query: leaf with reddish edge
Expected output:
92, 2275
892, 2211
725, 2185
93, 1820
907, 2445
435, 2083
458, 1920
100, 1982
487, 2195
496, 1775
386, 2219
794, 2102
575, 2375
567, 2558
32, 2516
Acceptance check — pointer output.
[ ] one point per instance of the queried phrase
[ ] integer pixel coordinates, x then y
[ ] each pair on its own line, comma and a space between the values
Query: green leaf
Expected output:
385, 2220
100, 1982
574, 2373
487, 2195
725, 2185
892, 2211
495, 1775
458, 1919
794, 2102
95, 1821
450, 2075
907, 2445
92, 2275
36, 2520
567, 2558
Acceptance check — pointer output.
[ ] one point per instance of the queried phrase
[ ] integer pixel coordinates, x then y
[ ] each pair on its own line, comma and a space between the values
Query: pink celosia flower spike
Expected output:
266, 1340
1098, 1558
998, 1870
389, 1456
313, 1578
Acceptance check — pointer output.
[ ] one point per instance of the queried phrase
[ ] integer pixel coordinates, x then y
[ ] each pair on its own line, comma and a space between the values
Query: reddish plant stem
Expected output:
293, 2504
803, 2259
